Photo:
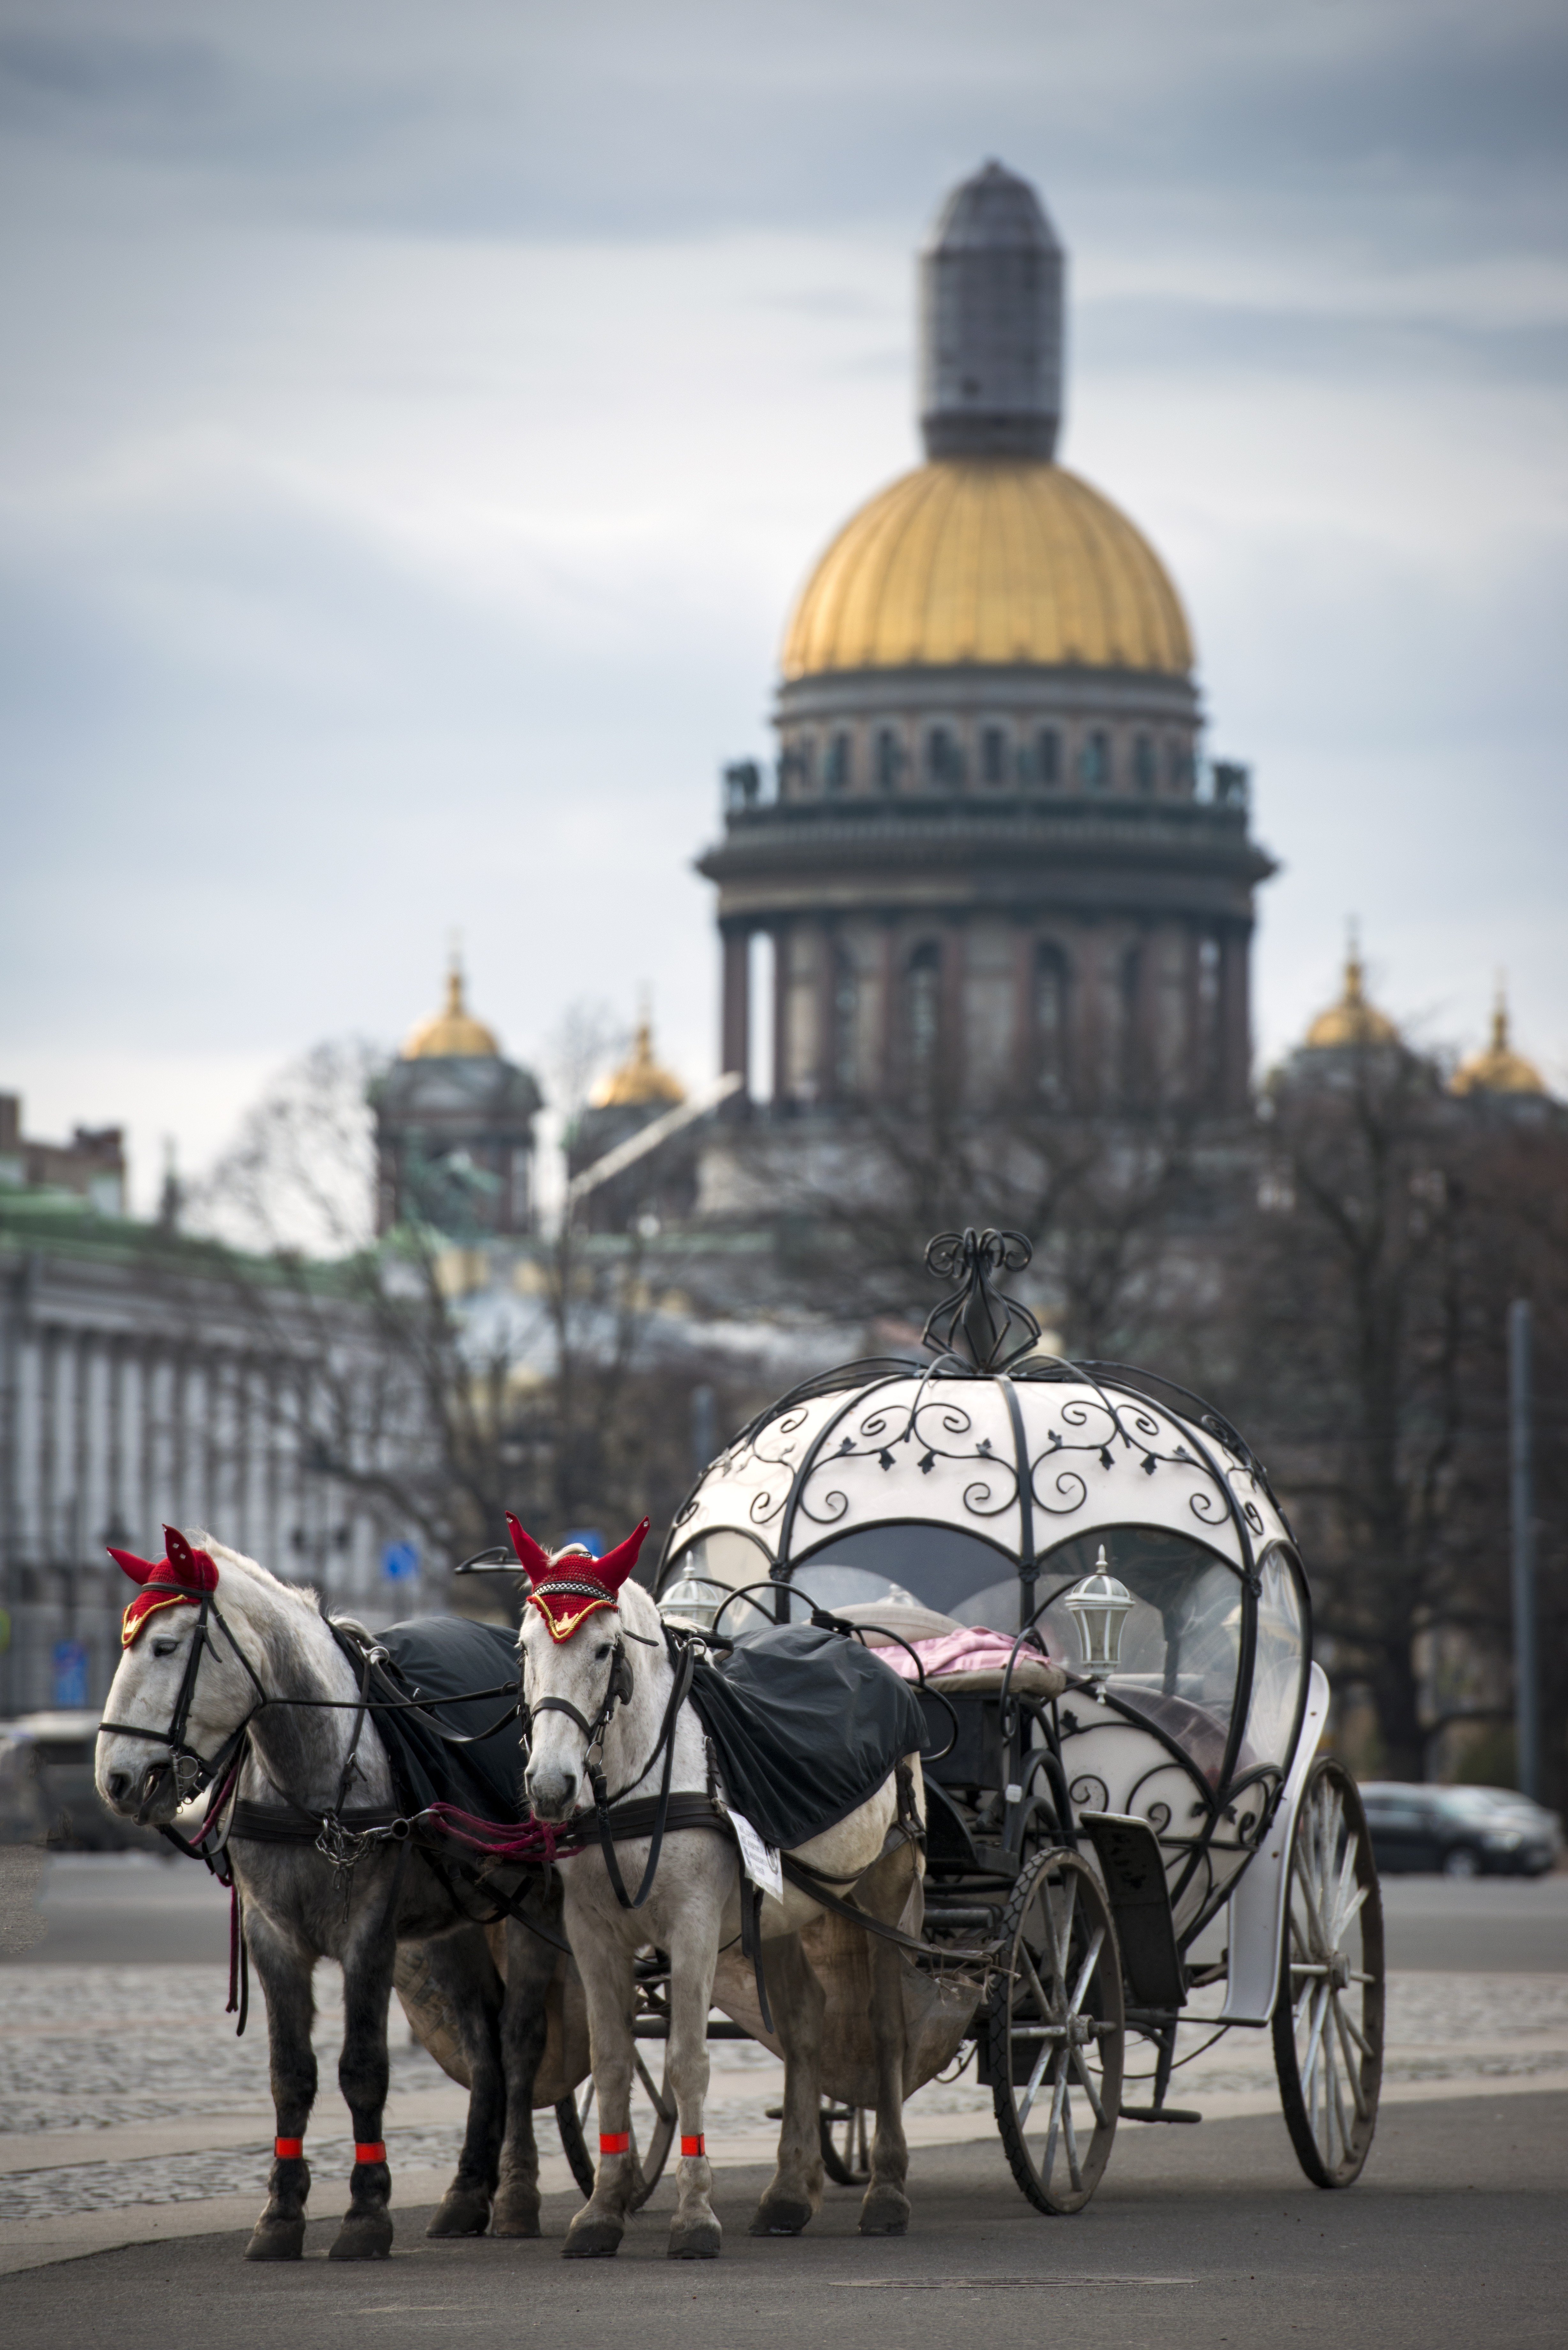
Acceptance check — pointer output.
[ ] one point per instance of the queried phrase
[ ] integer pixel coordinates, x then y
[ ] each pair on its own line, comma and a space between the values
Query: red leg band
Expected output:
615, 2141
288, 2149
376, 2153
698, 2144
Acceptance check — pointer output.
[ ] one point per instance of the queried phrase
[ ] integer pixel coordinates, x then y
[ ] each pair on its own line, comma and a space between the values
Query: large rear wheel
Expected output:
1056, 2035
1328, 2017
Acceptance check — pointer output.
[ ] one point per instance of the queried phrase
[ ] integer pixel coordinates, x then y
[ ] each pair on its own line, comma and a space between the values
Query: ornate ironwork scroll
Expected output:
977, 1322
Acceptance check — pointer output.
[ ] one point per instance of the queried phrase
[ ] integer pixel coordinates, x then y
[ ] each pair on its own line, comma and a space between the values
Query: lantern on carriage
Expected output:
1100, 1607
694, 1602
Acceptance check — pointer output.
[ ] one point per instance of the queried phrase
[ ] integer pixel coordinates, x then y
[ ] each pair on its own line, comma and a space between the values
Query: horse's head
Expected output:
180, 1691
575, 1668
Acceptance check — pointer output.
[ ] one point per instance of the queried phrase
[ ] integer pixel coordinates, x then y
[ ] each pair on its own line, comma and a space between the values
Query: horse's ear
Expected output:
529, 1553
616, 1565
139, 1569
193, 1568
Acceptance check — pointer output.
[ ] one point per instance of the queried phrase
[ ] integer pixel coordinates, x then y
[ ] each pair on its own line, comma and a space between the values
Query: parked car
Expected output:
47, 1791
1462, 1831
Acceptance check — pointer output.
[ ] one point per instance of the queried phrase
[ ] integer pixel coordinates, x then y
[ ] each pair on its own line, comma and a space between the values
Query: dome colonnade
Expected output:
989, 863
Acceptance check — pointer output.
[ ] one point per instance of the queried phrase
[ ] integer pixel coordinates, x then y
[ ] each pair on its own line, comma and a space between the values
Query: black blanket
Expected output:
435, 1658
807, 1725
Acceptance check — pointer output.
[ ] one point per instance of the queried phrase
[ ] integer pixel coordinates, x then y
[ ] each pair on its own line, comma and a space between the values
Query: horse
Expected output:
604, 1706
236, 1682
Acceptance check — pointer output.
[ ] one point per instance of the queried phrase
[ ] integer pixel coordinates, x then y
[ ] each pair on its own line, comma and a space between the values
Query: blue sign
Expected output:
400, 1562
70, 1674
592, 1541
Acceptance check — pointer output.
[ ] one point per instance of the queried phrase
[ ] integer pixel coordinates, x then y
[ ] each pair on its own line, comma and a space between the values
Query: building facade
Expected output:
991, 857
454, 1130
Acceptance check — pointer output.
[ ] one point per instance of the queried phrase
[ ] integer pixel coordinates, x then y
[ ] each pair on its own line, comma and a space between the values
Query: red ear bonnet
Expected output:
568, 1591
530, 1552
177, 1580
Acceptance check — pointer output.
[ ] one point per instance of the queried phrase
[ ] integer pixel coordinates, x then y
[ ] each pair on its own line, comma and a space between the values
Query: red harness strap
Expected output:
698, 2144
615, 2141
374, 2153
288, 2149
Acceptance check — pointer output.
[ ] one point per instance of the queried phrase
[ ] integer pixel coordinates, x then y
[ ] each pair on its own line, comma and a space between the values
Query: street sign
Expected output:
400, 1562
70, 1675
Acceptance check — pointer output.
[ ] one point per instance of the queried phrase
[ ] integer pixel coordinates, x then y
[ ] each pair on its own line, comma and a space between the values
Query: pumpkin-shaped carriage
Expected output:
1136, 1757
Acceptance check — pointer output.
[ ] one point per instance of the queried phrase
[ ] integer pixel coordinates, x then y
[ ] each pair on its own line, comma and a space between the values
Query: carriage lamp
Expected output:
1100, 1607
694, 1601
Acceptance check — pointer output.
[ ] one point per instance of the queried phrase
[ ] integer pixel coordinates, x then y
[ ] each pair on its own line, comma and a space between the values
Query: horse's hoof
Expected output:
276, 2239
364, 2236
596, 2240
515, 2217
699, 2241
884, 2212
463, 2211
780, 2215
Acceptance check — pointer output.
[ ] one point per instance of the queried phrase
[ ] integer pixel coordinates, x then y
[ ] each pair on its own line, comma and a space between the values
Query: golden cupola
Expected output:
639, 1083
1499, 1069
1352, 1021
452, 1032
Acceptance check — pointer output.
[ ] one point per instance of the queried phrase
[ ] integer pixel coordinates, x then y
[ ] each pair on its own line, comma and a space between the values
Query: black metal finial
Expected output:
977, 1320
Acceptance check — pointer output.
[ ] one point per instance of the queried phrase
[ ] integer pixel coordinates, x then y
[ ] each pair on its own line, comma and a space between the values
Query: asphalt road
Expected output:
127, 1910
1457, 2232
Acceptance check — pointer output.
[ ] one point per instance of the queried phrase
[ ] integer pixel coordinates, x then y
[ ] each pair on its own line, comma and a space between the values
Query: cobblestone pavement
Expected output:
90, 2047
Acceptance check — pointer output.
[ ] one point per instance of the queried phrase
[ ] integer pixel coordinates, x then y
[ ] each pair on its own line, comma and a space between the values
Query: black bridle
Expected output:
193, 1773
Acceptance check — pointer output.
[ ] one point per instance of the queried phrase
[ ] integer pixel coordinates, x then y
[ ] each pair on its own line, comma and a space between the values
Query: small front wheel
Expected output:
1328, 2016
646, 2165
844, 2156
1057, 2032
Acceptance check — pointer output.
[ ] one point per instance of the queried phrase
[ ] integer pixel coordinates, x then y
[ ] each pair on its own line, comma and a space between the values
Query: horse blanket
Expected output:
435, 1658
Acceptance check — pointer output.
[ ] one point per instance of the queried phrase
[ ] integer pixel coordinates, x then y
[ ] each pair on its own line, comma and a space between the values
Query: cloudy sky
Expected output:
416, 420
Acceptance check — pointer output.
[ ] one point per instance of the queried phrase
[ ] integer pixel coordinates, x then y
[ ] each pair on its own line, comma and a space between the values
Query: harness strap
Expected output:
679, 1686
807, 1880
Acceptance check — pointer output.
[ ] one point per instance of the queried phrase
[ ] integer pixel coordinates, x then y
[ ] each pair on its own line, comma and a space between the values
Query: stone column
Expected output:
1235, 1018
736, 1039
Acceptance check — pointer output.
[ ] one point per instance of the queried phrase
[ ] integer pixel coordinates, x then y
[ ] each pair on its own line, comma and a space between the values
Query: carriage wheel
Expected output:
574, 2144
1328, 2016
845, 2158
1057, 2032
646, 2168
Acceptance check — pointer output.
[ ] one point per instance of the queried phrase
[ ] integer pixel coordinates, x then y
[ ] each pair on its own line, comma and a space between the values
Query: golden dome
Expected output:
994, 559
453, 1034
1351, 1021
639, 1080
1499, 1069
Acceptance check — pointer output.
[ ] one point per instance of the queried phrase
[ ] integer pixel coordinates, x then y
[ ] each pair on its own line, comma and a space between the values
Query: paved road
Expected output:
127, 1911
1457, 2232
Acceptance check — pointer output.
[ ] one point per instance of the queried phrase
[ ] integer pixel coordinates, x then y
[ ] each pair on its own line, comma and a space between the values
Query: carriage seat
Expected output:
925, 1628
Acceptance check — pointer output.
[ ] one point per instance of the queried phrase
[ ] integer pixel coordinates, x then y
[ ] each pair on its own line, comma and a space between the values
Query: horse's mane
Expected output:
252, 1576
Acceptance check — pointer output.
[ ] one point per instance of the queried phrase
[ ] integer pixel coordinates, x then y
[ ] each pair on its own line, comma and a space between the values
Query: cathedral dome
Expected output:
639, 1081
1499, 1069
993, 561
1351, 1021
452, 1033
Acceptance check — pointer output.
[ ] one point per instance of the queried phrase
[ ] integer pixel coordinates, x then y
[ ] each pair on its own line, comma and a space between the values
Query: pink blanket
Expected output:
971, 1649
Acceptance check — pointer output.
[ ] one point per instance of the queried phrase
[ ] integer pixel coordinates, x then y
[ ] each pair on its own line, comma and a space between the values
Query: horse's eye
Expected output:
164, 1648
600, 1653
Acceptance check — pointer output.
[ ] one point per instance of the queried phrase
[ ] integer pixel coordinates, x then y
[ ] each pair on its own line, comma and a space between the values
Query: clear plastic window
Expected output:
1181, 1643
939, 1567
1281, 1660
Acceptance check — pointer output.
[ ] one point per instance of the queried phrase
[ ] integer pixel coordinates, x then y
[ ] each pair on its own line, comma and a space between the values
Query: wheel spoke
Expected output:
1060, 1947
1074, 2168
1047, 2051
1344, 2028
1058, 2094
1046, 2008
1096, 1944
1089, 2089
655, 2097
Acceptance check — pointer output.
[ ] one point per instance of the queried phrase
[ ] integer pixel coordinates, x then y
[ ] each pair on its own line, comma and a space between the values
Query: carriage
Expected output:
1129, 1825
1129, 1816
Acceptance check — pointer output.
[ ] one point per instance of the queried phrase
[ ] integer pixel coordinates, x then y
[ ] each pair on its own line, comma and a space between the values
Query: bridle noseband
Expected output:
193, 1772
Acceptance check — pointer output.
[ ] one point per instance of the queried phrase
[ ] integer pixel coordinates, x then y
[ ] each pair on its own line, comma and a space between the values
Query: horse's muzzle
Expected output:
552, 1793
149, 1796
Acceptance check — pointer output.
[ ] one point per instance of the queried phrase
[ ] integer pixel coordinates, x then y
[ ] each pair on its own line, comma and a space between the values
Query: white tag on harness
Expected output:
760, 1861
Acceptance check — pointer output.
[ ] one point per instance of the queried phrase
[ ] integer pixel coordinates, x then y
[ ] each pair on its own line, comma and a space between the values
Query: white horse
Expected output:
215, 1641
598, 1680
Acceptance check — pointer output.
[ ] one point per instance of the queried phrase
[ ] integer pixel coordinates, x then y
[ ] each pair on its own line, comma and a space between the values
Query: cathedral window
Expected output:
1143, 763
890, 759
1048, 755
1181, 767
1094, 761
924, 985
993, 755
1050, 1021
836, 767
944, 760
846, 1023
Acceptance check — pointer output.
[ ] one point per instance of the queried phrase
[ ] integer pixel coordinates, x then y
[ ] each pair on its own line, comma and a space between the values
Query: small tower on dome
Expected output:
454, 1130
654, 1191
1500, 1070
990, 323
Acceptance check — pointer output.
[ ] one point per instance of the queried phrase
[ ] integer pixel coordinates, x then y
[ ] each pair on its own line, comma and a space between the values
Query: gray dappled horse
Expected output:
216, 1648
598, 1684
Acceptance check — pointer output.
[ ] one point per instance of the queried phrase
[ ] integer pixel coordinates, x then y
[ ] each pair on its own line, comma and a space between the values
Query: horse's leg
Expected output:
798, 2002
530, 1969
885, 2209
368, 1956
694, 2232
462, 1970
607, 1972
285, 1967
